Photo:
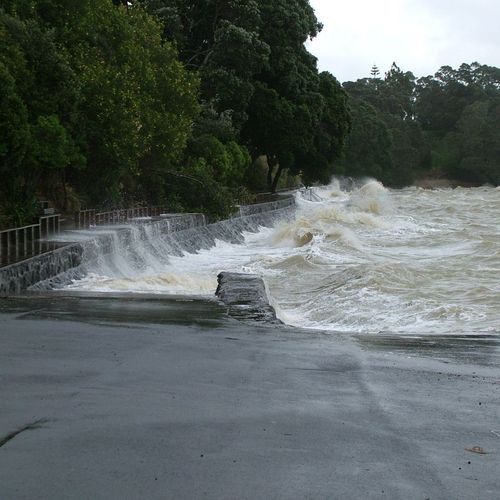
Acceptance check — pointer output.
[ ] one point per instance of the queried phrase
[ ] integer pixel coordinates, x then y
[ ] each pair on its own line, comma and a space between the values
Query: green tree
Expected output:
137, 99
456, 109
293, 107
367, 152
14, 141
105, 91
219, 39
375, 72
316, 163
393, 99
479, 139
259, 85
44, 86
441, 101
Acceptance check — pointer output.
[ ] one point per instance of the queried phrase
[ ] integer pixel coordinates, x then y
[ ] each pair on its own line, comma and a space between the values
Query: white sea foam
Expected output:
371, 260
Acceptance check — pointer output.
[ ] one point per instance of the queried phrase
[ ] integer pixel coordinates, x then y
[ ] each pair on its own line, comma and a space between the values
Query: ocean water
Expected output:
370, 260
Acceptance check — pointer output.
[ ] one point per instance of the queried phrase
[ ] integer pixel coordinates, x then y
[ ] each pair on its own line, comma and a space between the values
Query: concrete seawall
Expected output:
178, 233
50, 267
245, 297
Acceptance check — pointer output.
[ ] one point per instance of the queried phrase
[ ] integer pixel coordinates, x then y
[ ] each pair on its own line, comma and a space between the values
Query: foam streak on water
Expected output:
370, 260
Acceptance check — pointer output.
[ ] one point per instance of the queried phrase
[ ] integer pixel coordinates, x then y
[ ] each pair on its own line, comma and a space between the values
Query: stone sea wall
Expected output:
47, 267
246, 297
259, 208
177, 233
21, 275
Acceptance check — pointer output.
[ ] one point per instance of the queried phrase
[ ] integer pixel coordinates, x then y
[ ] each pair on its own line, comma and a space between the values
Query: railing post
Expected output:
16, 242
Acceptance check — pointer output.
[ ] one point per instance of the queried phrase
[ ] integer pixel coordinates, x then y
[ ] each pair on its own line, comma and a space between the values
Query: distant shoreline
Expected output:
434, 183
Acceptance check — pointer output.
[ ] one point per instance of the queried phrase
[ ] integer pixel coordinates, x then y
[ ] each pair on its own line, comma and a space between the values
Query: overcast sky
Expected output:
419, 35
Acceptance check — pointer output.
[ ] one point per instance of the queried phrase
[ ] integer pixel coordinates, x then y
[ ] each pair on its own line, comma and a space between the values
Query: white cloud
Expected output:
419, 35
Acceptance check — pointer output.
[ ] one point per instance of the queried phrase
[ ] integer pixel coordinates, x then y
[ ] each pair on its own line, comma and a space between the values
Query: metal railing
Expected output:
20, 242
23, 242
85, 219
49, 224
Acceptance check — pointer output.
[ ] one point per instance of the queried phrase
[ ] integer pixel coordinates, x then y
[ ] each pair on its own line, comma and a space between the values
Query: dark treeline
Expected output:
189, 104
446, 125
195, 105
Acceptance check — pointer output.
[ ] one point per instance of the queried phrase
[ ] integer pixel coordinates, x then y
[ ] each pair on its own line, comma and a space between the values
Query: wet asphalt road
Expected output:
148, 397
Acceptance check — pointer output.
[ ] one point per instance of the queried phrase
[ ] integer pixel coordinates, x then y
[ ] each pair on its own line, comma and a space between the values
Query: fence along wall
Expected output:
20, 276
178, 233
88, 218
20, 243
23, 242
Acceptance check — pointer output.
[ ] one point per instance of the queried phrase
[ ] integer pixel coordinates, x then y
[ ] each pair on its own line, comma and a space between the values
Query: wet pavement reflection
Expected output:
478, 349
116, 309
135, 309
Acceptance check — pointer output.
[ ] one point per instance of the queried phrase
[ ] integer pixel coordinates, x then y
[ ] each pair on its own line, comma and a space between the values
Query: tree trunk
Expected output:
276, 179
65, 190
271, 163
270, 169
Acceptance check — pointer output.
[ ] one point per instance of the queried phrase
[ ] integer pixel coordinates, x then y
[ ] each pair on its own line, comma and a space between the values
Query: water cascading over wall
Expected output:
136, 246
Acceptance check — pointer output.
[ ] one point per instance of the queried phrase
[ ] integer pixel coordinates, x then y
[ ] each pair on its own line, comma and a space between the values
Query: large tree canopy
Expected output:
445, 124
457, 110
399, 140
92, 96
190, 104
115, 100
297, 118
259, 84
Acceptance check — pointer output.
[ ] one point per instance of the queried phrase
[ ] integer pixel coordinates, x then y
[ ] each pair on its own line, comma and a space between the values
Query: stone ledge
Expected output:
246, 297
